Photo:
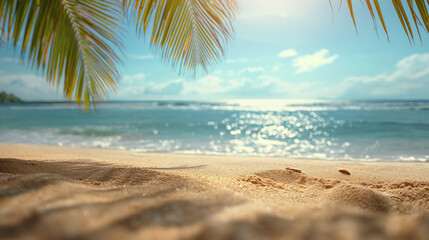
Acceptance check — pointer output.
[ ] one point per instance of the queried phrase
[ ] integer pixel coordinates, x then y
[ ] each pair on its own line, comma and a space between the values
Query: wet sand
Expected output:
51, 192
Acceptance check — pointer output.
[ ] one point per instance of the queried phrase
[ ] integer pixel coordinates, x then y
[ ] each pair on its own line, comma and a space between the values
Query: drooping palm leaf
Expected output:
417, 12
72, 41
191, 34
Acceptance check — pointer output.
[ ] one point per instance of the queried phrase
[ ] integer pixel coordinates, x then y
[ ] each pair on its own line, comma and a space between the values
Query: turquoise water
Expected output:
355, 130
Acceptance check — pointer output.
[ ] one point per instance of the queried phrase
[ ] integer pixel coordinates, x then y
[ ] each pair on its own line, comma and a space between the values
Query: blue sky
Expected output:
284, 49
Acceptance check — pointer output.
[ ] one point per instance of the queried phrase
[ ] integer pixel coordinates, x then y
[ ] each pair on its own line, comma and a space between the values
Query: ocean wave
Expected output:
302, 129
256, 105
324, 148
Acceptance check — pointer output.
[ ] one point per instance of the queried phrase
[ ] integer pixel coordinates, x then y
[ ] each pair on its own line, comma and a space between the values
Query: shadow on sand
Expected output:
89, 200
49, 200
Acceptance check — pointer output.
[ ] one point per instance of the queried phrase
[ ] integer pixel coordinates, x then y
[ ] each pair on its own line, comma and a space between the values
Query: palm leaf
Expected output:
71, 41
417, 12
191, 34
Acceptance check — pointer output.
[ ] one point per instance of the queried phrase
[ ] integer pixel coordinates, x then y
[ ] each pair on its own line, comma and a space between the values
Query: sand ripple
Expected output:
92, 200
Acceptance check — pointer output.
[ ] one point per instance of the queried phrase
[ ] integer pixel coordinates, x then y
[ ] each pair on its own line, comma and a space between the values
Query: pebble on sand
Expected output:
294, 169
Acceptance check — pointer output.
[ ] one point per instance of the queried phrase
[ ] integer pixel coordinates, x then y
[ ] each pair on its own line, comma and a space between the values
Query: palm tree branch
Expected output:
420, 18
189, 34
73, 42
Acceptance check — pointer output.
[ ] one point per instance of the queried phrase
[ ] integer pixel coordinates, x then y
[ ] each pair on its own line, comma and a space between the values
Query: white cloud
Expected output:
255, 82
150, 90
253, 70
134, 78
367, 79
412, 67
410, 79
141, 57
29, 87
308, 63
172, 87
207, 85
288, 53
8, 59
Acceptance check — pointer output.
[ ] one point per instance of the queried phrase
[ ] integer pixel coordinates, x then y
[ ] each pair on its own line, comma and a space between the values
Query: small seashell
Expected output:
344, 171
294, 169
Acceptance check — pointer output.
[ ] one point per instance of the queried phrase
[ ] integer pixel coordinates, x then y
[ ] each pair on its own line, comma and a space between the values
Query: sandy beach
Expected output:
49, 192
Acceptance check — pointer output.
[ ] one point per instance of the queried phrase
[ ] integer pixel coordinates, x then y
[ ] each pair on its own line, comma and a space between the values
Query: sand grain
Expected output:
52, 192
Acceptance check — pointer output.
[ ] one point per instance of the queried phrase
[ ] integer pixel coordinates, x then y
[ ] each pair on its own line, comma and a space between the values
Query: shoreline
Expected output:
139, 159
51, 192
363, 160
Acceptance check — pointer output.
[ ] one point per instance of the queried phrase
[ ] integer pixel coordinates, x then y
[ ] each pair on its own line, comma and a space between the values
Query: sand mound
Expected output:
54, 200
91, 173
361, 197
336, 224
415, 193
412, 192
88, 199
401, 197
284, 178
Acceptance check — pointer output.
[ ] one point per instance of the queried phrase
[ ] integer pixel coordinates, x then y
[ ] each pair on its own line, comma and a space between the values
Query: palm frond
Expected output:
71, 41
417, 12
191, 34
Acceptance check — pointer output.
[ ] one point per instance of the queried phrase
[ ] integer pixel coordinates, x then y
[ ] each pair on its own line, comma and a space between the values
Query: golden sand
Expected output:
63, 192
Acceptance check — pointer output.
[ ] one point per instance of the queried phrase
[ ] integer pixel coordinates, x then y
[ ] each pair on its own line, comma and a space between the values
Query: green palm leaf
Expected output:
71, 41
417, 11
190, 34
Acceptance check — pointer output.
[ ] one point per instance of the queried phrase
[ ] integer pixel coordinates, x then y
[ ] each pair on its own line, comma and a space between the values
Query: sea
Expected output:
394, 130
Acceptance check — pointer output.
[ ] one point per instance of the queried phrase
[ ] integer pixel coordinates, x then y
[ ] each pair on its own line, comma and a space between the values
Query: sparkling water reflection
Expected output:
361, 130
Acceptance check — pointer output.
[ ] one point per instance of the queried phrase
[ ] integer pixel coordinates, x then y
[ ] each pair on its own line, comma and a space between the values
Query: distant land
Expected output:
9, 98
